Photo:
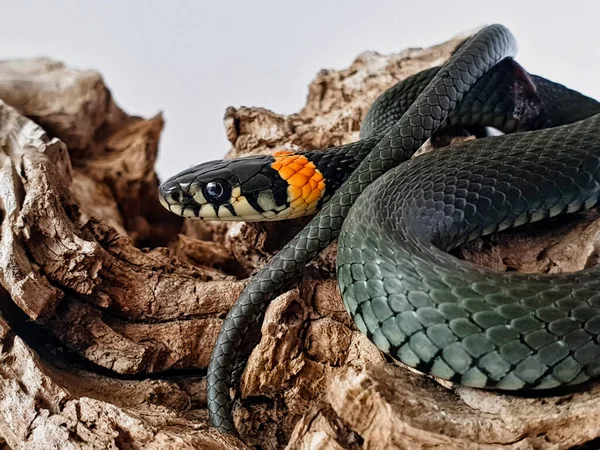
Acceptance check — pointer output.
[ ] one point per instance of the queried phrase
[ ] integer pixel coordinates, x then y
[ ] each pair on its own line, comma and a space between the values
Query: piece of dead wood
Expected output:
113, 153
112, 304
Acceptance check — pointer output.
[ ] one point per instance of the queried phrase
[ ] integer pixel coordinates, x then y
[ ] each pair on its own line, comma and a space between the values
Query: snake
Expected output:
397, 217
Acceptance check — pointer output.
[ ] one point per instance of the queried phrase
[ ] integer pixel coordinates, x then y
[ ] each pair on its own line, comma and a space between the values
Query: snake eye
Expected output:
215, 191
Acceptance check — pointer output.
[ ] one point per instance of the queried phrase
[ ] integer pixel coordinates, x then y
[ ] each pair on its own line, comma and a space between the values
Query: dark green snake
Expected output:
397, 218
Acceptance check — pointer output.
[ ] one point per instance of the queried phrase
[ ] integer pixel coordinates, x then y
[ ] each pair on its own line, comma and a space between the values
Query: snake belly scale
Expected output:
397, 218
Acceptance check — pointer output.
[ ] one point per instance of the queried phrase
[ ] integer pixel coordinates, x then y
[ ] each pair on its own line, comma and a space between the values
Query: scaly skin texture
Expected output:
448, 87
415, 302
457, 321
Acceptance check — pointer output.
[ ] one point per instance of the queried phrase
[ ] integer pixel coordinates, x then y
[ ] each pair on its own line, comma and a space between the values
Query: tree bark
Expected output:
110, 304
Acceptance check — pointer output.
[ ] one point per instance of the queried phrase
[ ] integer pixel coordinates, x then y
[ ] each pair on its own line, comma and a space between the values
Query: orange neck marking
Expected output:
305, 182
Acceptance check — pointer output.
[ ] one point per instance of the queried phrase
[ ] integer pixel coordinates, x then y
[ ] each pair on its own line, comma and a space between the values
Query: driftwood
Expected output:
110, 305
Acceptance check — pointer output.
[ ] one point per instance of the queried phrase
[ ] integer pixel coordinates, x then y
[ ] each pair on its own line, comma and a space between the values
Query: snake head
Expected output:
253, 188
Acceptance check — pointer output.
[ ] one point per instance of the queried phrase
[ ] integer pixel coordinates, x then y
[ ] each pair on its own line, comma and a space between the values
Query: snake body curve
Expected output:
396, 220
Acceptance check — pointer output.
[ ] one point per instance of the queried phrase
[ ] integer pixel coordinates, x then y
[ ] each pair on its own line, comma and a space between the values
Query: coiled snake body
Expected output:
397, 218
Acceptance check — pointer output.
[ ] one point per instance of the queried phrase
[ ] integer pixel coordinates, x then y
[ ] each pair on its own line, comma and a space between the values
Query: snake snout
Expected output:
172, 194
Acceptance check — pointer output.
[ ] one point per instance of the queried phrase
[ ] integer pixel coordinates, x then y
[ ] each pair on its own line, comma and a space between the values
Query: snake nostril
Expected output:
172, 191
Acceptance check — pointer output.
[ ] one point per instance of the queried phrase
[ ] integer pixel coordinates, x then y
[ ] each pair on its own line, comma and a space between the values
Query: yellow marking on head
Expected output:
177, 209
287, 211
306, 185
207, 211
199, 197
243, 208
236, 192
224, 212
266, 201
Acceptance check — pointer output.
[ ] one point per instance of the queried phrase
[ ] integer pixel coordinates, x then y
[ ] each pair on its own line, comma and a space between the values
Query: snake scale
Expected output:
396, 218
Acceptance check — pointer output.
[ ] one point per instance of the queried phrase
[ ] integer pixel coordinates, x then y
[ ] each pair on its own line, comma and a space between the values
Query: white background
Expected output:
191, 59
